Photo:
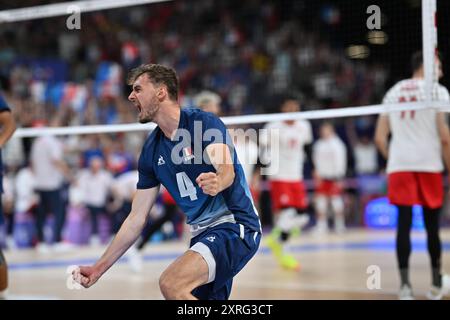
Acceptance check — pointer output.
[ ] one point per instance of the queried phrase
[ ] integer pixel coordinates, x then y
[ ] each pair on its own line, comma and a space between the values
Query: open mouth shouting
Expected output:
138, 106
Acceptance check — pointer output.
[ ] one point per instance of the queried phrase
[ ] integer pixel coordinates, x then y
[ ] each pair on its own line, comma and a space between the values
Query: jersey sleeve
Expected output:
147, 177
215, 131
390, 96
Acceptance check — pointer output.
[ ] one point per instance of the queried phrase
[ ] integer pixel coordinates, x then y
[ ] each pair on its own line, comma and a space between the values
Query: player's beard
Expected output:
148, 114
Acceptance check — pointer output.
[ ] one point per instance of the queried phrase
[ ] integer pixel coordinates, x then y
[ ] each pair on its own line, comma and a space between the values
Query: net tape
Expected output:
238, 120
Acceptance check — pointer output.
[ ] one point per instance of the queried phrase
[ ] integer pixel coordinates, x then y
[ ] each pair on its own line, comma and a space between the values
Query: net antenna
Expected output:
429, 47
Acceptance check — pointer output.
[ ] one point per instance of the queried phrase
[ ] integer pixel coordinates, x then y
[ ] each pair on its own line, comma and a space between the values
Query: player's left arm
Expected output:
381, 135
8, 126
213, 183
444, 135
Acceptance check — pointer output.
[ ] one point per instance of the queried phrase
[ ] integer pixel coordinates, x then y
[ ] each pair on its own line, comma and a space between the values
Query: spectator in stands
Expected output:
50, 170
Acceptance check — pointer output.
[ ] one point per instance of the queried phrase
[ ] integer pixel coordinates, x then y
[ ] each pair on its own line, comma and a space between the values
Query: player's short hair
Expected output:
285, 98
157, 74
288, 97
206, 97
327, 123
417, 60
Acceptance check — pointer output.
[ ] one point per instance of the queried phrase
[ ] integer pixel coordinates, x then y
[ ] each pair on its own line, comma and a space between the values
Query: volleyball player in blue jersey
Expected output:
192, 155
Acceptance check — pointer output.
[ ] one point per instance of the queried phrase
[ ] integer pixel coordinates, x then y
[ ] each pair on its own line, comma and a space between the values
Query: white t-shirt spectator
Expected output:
330, 158
44, 152
95, 186
366, 161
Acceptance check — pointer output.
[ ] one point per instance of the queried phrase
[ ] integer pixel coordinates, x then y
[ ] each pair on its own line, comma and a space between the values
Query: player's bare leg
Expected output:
184, 275
3, 275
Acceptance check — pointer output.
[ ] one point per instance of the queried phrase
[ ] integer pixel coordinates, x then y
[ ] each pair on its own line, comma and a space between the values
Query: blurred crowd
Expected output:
250, 53
247, 52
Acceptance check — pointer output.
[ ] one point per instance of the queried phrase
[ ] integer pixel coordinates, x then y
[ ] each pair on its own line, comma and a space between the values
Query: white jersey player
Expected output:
419, 139
288, 194
330, 163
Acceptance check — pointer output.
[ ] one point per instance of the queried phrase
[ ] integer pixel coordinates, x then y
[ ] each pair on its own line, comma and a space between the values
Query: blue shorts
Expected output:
231, 246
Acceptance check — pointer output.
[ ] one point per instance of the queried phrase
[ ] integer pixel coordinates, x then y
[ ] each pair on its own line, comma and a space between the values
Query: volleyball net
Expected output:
363, 64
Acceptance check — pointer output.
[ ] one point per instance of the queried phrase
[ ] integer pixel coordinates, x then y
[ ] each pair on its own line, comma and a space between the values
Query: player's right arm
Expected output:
383, 129
382, 134
129, 232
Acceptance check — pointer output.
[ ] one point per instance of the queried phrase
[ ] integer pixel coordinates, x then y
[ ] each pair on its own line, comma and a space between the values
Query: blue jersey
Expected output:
178, 162
3, 104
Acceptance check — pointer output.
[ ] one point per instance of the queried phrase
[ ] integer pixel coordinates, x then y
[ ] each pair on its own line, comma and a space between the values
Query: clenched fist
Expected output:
209, 182
86, 276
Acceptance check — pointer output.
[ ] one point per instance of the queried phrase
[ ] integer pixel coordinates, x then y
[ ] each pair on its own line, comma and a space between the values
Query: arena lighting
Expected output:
65, 8
358, 52
377, 37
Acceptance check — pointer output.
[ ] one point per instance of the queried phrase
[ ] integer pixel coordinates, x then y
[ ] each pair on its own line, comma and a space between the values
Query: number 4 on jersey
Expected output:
185, 186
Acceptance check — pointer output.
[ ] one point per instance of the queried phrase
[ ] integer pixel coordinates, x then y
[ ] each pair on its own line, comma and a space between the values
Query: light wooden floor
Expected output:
333, 267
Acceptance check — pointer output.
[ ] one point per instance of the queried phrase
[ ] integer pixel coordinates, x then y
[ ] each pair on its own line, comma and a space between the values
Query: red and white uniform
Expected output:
415, 155
330, 162
286, 142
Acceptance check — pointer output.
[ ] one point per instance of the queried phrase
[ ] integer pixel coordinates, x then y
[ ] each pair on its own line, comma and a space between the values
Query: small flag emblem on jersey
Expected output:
187, 154
161, 161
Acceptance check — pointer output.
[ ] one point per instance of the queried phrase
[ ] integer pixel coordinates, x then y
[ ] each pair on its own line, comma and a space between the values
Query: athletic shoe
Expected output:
437, 293
405, 293
275, 246
289, 262
285, 260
